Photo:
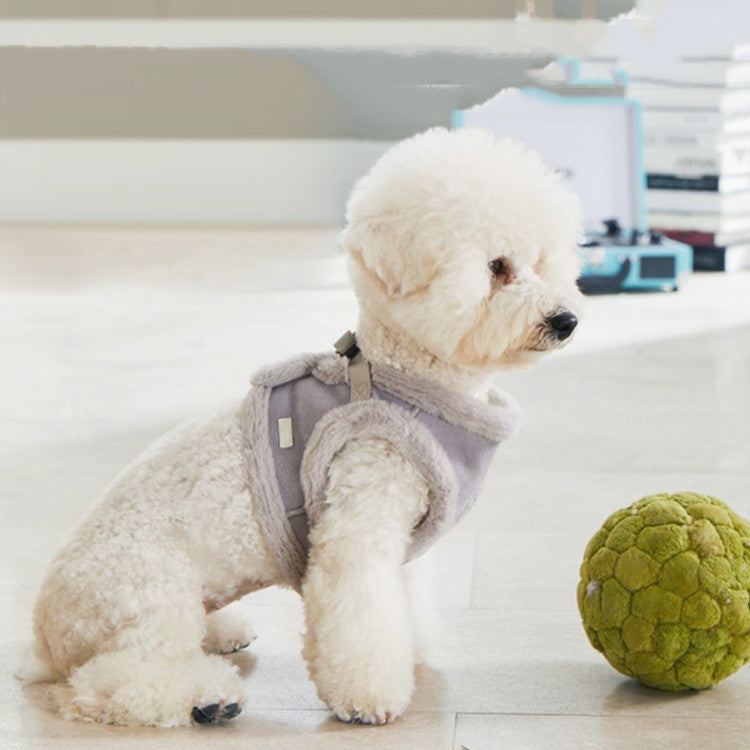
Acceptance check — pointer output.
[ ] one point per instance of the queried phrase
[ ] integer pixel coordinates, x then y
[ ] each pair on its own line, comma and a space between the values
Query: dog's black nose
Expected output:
563, 324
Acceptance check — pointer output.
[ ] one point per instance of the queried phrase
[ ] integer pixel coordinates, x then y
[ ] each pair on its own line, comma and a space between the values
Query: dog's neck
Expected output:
382, 345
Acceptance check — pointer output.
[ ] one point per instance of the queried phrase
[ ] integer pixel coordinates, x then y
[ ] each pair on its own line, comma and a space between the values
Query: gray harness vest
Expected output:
299, 414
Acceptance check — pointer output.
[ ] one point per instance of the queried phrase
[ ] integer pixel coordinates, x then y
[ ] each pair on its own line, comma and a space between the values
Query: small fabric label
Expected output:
286, 432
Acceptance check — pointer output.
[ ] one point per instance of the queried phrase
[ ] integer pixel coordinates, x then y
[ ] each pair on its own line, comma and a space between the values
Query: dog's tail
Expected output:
43, 684
37, 664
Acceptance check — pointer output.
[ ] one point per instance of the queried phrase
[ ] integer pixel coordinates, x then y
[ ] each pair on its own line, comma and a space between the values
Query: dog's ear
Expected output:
394, 261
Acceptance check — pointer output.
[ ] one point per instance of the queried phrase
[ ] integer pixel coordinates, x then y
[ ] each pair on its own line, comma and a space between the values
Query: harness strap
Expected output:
360, 377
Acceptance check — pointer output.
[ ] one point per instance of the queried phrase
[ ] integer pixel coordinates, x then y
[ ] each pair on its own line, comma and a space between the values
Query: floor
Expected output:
112, 335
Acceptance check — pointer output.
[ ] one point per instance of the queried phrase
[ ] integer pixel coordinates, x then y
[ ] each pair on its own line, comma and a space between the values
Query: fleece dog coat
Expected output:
298, 416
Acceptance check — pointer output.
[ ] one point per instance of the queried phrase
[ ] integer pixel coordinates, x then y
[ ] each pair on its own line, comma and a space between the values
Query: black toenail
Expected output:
231, 710
199, 716
207, 714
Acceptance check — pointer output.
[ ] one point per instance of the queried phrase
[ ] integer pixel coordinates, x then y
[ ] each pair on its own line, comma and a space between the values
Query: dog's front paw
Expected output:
372, 696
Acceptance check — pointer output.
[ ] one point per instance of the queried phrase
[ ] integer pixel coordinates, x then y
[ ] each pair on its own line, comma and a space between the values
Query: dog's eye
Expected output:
502, 270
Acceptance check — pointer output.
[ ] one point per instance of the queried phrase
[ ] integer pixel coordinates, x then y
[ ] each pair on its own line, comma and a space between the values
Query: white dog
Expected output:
462, 254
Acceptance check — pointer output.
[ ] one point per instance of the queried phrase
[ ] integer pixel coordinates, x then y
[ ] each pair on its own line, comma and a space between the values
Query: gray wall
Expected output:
242, 132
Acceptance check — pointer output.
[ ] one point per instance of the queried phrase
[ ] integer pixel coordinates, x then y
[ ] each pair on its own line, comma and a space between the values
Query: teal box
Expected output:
619, 264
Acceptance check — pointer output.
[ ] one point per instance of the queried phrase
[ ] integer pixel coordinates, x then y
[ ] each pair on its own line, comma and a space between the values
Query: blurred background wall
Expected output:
222, 111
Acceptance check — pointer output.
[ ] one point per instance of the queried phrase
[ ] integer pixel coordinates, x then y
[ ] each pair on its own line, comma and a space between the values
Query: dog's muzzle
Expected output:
562, 324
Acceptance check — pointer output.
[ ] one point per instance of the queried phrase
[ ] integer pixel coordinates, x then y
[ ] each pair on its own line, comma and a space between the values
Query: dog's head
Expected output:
466, 244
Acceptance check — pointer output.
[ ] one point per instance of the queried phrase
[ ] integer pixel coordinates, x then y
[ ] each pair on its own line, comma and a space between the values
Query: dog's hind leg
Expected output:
153, 671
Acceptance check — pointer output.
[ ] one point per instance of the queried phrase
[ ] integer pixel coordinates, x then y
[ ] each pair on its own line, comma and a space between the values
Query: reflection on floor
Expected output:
110, 336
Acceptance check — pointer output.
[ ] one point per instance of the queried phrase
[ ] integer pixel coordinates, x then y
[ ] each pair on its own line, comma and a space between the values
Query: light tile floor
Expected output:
110, 336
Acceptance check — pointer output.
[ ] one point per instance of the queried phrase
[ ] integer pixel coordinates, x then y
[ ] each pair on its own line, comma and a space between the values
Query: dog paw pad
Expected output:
216, 712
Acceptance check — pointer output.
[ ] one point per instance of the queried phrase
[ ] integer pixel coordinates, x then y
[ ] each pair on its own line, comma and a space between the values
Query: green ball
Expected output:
665, 591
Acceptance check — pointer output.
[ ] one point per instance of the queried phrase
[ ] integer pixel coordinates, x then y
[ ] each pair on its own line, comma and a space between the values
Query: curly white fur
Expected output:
124, 620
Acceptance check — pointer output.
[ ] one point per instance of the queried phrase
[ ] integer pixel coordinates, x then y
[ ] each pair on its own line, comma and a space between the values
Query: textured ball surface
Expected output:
664, 591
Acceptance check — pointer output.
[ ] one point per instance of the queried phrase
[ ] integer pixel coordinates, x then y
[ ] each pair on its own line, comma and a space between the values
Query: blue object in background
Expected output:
615, 264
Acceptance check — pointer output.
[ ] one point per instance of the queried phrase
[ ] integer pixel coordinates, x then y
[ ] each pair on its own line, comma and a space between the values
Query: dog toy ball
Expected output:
664, 591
